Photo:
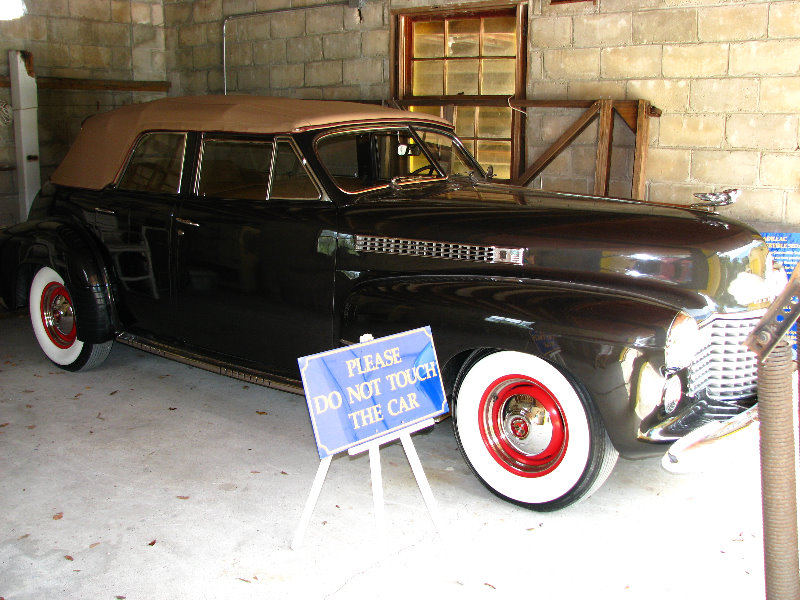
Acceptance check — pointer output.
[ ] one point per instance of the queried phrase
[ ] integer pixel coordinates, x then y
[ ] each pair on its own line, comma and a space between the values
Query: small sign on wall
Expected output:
367, 390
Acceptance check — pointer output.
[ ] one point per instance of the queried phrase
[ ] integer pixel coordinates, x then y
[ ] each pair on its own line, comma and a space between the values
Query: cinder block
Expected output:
603, 30
595, 90
288, 25
206, 57
551, 32
668, 25
757, 205
205, 11
773, 57
90, 57
670, 95
121, 11
323, 73
370, 16
375, 43
724, 95
341, 45
286, 76
672, 193
691, 131
192, 35
781, 170
732, 22
572, 64
363, 71
792, 212
780, 94
725, 168
325, 19
630, 61
784, 19
240, 54
98, 10
304, 49
695, 60
762, 132
139, 12
269, 52
667, 164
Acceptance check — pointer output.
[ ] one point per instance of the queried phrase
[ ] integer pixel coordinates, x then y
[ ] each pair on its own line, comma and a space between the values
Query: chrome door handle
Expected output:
187, 222
105, 211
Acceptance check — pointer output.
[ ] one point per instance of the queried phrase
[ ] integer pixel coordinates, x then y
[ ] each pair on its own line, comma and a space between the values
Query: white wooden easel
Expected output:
404, 435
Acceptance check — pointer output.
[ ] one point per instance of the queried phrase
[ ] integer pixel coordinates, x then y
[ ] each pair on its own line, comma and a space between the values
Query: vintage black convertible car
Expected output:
240, 233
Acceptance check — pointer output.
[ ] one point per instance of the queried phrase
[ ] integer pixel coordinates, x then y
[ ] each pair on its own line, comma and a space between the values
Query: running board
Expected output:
215, 366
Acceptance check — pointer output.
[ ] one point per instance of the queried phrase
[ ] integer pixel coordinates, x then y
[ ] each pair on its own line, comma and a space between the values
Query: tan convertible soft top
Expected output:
105, 140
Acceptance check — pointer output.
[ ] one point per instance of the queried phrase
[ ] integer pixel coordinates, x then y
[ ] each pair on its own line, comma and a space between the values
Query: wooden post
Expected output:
639, 185
605, 137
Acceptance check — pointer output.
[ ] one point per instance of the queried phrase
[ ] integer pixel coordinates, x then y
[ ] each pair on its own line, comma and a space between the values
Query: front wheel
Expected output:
54, 322
529, 433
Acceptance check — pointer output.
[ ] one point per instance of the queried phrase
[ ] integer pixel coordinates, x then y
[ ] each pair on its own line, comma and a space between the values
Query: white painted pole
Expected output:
24, 105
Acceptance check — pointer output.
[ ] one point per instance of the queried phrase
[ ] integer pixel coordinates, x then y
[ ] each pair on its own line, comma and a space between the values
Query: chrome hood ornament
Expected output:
714, 199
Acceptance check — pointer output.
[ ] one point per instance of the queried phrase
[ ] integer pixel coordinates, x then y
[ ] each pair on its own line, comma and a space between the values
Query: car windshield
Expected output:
364, 159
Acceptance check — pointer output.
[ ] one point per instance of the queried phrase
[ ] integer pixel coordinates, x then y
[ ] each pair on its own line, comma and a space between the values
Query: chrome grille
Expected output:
429, 249
724, 367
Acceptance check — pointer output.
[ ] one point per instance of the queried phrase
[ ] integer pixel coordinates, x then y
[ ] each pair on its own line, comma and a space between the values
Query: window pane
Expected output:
156, 164
428, 39
465, 121
498, 75
235, 169
499, 36
446, 153
289, 177
494, 122
427, 78
428, 110
463, 37
462, 77
496, 154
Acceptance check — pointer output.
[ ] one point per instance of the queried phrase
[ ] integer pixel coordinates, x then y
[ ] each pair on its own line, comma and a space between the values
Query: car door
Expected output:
255, 255
134, 222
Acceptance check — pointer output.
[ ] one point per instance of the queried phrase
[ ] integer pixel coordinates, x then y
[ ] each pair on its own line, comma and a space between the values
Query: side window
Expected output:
156, 164
235, 169
290, 180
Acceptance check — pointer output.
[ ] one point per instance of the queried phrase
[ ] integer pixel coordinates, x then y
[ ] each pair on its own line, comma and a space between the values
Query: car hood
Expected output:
692, 259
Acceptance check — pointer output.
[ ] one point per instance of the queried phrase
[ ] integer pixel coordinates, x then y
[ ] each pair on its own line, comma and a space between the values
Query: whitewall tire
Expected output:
54, 321
529, 433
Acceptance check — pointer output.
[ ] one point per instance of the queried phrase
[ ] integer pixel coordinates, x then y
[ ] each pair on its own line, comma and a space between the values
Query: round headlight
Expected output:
683, 341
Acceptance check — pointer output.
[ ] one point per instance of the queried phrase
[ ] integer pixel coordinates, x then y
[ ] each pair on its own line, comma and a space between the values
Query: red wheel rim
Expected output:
58, 316
523, 426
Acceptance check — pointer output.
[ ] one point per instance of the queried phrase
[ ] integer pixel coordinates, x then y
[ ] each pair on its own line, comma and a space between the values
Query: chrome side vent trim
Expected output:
445, 250
725, 367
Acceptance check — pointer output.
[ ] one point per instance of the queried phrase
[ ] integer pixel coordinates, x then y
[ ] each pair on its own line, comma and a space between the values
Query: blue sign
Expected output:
785, 248
367, 390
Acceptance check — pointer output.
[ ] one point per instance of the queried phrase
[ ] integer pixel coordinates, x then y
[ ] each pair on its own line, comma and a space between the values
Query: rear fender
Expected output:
604, 341
72, 253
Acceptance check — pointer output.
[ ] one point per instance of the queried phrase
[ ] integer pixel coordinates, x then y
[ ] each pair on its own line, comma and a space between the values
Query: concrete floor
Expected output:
147, 479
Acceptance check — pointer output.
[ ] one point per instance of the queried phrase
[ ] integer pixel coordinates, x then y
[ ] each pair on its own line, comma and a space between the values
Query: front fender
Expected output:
613, 345
70, 251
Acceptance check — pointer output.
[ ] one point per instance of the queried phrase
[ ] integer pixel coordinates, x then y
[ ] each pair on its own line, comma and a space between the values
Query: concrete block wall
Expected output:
299, 49
726, 75
82, 39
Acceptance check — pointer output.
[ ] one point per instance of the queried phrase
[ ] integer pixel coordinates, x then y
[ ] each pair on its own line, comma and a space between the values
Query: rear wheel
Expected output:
529, 433
54, 322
